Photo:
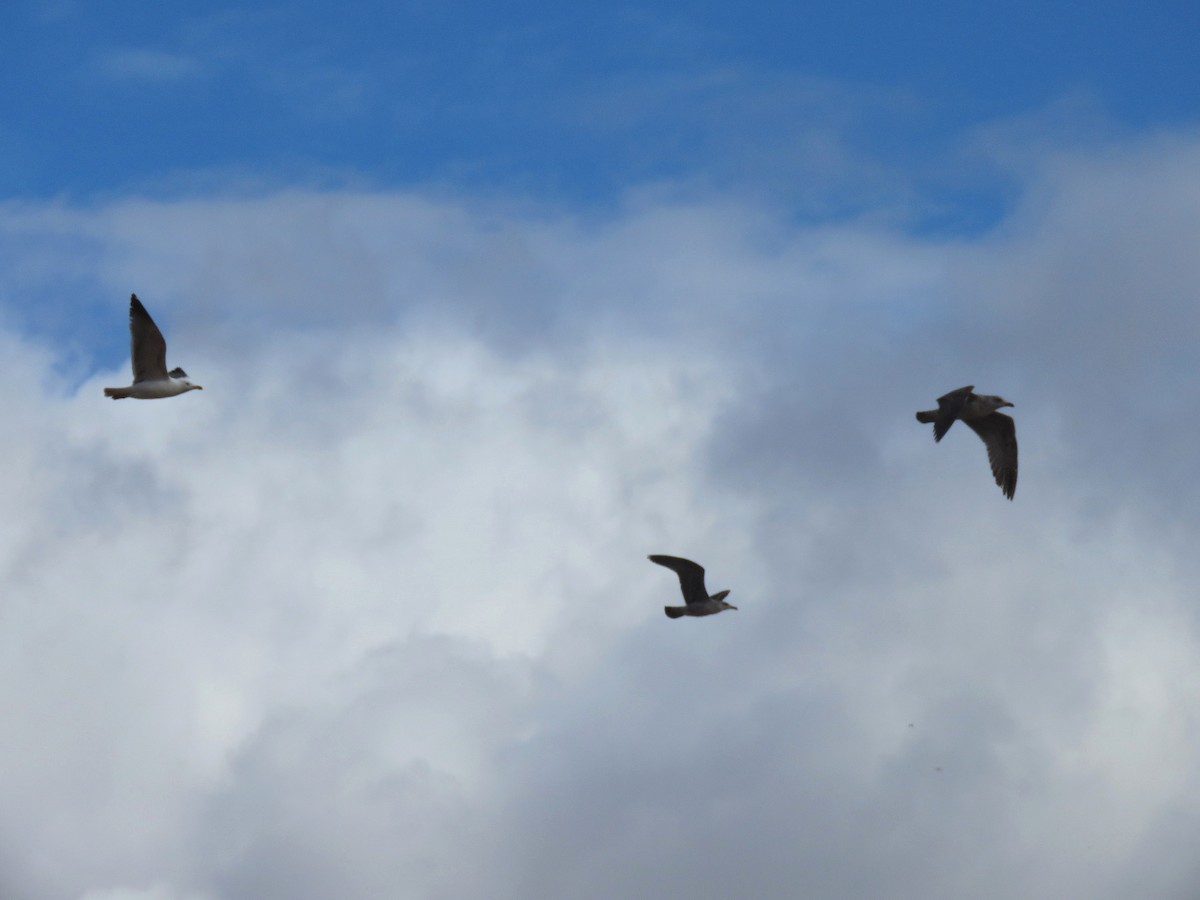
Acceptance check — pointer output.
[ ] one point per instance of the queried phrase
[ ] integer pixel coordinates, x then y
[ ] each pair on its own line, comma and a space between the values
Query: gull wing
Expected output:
147, 347
956, 396
691, 576
999, 434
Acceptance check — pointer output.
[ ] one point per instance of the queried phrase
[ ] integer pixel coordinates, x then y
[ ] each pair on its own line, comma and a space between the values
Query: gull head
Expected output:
996, 402
719, 599
180, 379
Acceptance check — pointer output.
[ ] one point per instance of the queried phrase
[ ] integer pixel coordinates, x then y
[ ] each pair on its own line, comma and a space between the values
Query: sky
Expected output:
490, 301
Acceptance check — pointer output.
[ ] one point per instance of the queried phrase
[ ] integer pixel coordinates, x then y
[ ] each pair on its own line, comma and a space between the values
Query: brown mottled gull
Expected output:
691, 582
998, 431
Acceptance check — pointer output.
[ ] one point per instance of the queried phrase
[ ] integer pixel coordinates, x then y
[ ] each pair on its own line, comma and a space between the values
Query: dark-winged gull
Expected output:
691, 582
148, 352
998, 431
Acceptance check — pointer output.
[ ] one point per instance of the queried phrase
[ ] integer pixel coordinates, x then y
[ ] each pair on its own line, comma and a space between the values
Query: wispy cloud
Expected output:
320, 91
149, 65
53, 12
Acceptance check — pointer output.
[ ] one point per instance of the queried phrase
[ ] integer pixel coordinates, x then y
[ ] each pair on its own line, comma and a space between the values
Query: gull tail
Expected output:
674, 612
940, 426
117, 393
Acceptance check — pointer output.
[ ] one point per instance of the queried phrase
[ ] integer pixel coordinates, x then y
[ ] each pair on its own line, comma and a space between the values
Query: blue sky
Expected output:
489, 303
573, 103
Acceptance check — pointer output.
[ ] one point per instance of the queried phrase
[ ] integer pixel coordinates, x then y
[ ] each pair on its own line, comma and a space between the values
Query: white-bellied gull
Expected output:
998, 431
148, 352
691, 582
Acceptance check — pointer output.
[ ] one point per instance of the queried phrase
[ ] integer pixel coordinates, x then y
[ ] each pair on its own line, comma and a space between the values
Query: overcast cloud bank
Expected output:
370, 616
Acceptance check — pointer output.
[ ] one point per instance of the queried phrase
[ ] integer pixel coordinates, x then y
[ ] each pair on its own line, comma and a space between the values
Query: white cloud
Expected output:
156, 892
371, 613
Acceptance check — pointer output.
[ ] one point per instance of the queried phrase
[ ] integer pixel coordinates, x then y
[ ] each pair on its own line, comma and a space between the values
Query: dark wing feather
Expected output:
949, 407
691, 576
147, 348
956, 397
999, 433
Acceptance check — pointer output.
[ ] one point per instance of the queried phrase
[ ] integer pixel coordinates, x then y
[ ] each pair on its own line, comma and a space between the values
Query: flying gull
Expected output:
148, 352
978, 411
691, 581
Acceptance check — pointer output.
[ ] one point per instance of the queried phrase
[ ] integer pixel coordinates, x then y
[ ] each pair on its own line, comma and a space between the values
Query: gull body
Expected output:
997, 431
695, 594
148, 354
